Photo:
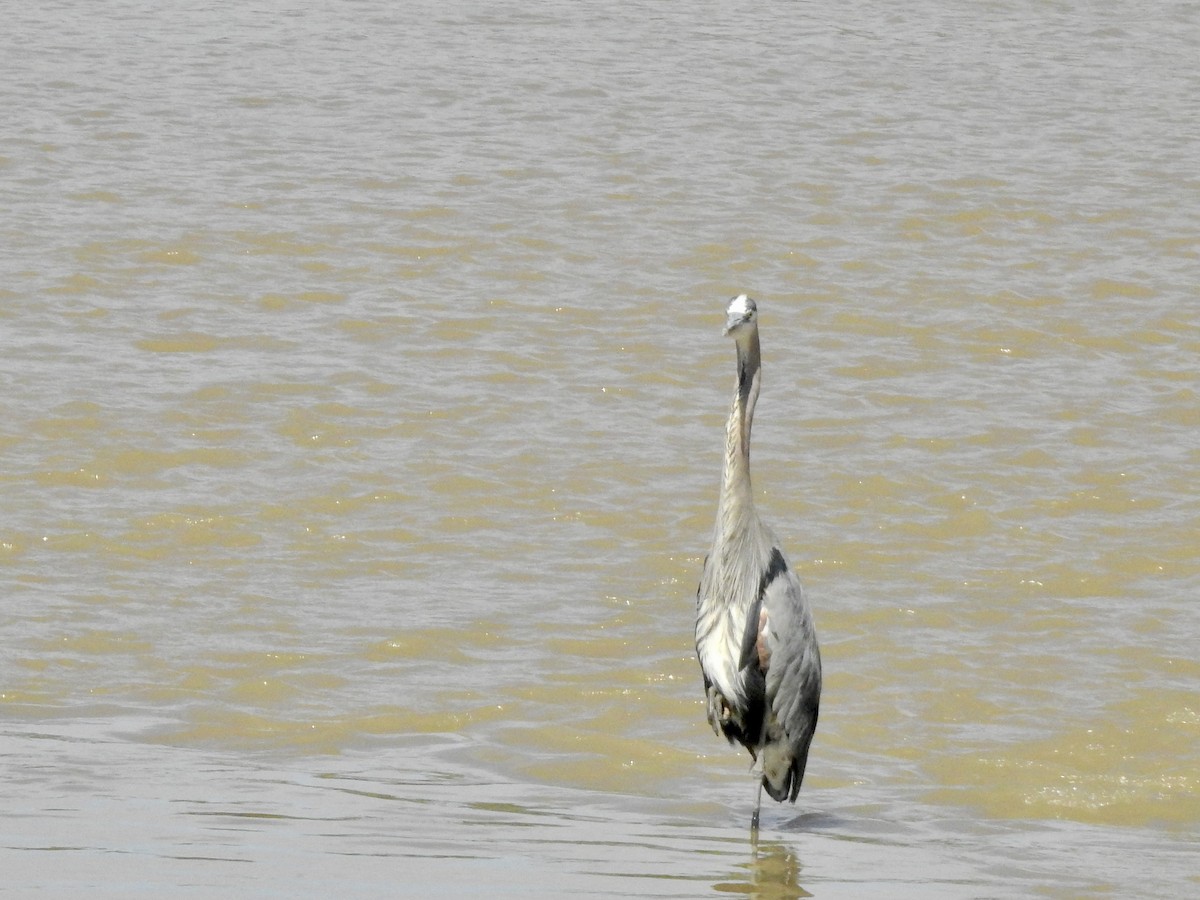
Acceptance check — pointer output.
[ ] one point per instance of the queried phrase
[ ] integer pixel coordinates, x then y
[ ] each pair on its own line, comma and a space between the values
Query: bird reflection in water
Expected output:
773, 873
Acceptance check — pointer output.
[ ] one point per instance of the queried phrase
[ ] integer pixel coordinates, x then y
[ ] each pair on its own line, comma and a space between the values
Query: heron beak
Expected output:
733, 323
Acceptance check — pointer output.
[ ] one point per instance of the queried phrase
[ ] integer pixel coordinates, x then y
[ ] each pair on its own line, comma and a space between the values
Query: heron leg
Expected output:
754, 818
762, 743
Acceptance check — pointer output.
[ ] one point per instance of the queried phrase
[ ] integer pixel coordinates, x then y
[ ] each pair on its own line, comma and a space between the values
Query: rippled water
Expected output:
362, 409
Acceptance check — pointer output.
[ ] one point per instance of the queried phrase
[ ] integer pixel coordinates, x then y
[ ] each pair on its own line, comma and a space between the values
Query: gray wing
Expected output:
794, 671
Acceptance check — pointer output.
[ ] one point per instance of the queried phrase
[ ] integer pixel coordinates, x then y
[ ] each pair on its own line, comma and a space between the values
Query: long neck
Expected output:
736, 495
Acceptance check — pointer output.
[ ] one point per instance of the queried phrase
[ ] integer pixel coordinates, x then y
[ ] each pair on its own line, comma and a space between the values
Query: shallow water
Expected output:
362, 409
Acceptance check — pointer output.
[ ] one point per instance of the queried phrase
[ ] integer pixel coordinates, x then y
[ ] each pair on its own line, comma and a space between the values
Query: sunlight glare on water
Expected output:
362, 418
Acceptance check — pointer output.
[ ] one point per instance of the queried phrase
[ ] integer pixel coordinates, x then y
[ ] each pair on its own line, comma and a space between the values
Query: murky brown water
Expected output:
361, 421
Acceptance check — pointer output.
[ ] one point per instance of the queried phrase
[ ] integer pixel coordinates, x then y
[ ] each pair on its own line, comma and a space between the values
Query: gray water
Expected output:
361, 424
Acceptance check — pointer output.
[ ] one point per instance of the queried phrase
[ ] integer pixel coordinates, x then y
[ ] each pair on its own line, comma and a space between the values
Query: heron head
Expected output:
741, 312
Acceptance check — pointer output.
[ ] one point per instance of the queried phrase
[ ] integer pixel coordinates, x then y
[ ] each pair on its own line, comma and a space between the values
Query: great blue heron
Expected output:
754, 630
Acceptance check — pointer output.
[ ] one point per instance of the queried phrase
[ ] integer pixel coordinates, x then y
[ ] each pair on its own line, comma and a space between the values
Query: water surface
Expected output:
362, 409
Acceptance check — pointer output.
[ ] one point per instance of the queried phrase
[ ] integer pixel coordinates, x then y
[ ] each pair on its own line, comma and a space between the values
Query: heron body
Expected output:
755, 637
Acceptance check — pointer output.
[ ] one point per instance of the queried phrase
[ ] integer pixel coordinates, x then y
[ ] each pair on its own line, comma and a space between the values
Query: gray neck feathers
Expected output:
737, 501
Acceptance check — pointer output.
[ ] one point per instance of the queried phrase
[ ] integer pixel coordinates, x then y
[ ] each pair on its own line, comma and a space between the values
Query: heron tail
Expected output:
783, 770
